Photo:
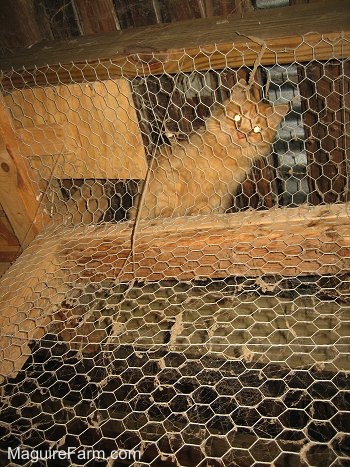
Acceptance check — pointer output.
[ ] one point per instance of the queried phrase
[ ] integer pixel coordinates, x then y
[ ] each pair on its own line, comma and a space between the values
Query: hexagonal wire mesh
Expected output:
177, 355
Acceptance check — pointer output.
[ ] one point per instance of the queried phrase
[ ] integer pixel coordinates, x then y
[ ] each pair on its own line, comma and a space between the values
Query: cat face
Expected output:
250, 121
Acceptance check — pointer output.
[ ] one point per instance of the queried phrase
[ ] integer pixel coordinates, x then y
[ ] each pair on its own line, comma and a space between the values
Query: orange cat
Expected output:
202, 175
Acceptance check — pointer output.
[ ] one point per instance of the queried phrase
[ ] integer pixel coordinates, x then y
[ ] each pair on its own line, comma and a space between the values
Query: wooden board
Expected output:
197, 44
18, 192
79, 131
96, 16
285, 242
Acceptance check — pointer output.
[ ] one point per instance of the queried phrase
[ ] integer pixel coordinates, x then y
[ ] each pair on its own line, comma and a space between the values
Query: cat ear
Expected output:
275, 114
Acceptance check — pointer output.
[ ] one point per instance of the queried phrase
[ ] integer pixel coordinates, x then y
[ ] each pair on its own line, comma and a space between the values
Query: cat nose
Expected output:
240, 134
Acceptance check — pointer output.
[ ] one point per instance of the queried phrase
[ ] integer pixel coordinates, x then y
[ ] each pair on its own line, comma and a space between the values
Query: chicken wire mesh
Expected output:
121, 345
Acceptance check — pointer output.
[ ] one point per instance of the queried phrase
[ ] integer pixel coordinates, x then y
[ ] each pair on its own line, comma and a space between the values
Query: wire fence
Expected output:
188, 301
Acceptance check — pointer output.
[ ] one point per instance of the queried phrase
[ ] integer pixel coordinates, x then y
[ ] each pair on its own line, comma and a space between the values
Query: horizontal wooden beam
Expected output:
300, 33
285, 242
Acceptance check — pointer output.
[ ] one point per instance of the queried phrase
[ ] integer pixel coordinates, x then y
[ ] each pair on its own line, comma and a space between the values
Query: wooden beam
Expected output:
285, 242
291, 34
19, 198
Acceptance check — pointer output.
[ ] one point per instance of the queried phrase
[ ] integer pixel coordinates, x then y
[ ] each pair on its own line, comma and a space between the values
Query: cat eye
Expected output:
256, 129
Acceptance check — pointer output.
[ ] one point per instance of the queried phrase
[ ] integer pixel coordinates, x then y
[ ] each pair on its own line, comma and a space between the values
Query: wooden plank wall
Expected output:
26, 22
96, 16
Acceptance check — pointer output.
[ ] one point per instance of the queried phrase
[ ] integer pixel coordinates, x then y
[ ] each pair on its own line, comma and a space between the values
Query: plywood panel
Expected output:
80, 130
19, 195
